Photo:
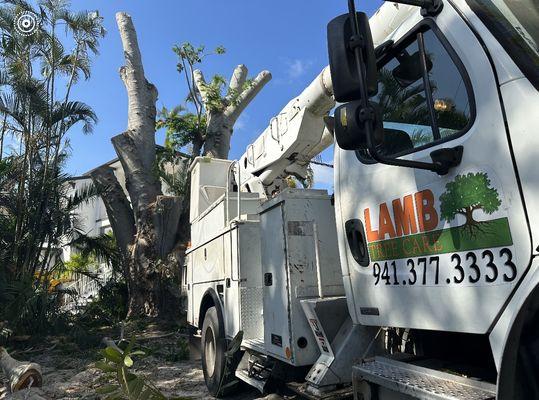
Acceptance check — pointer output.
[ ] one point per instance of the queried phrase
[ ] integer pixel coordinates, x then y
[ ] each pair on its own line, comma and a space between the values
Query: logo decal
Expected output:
409, 226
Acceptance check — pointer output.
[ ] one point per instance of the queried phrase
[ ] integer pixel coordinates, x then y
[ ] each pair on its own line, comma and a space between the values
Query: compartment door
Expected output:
276, 282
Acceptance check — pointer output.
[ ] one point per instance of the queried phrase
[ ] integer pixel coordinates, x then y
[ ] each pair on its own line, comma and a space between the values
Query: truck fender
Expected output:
210, 299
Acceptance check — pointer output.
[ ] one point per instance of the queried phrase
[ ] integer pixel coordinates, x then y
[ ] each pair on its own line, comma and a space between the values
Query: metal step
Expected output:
255, 370
421, 383
254, 382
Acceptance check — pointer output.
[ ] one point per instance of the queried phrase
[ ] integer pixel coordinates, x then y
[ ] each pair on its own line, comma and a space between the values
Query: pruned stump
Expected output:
21, 374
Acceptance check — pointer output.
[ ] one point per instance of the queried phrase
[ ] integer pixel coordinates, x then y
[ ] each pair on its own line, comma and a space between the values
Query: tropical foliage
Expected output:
37, 205
125, 384
185, 125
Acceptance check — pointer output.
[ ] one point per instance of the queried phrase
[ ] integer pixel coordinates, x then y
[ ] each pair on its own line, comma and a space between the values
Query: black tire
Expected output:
213, 347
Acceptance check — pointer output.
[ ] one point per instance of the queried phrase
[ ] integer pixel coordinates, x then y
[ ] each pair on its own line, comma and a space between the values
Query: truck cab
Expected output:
419, 278
450, 258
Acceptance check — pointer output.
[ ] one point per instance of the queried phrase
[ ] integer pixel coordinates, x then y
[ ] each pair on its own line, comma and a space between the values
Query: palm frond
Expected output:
103, 247
84, 195
72, 113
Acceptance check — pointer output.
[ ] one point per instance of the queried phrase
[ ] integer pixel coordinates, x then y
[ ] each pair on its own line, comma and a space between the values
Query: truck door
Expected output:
445, 252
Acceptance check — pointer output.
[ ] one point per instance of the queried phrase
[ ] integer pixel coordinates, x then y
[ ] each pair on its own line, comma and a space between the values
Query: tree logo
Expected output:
466, 194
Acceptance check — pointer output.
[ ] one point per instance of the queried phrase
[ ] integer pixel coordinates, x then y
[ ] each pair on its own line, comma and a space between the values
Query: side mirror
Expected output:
350, 130
345, 73
395, 142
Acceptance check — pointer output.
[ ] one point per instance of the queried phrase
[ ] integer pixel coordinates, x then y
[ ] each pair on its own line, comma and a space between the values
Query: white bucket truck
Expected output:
419, 278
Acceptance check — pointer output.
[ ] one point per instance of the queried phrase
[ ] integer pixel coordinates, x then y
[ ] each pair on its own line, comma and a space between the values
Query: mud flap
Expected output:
232, 359
341, 343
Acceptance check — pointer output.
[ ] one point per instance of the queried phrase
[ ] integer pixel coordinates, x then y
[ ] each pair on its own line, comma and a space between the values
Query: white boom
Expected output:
302, 129
293, 137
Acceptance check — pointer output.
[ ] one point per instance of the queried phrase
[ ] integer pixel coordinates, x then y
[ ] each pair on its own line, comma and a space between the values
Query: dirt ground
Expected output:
69, 373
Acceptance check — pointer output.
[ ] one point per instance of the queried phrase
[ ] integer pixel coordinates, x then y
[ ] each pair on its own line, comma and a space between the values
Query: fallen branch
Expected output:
108, 342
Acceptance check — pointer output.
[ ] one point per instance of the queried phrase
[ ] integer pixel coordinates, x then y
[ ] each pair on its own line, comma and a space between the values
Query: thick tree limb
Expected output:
136, 146
141, 94
239, 76
167, 213
220, 124
21, 375
233, 111
141, 183
200, 84
117, 205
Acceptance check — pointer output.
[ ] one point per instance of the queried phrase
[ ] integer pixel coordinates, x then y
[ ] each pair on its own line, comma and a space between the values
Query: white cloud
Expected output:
297, 68
323, 177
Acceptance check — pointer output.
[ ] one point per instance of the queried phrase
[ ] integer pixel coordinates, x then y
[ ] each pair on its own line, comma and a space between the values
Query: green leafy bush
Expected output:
109, 308
126, 385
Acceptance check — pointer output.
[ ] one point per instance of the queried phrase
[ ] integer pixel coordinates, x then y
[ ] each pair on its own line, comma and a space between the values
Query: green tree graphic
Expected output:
466, 194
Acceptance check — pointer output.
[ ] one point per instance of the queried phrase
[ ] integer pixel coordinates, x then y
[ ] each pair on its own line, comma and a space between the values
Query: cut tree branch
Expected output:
233, 111
21, 374
141, 94
136, 146
239, 76
200, 83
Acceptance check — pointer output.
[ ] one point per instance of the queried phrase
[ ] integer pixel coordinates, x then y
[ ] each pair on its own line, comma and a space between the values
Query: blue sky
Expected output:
288, 38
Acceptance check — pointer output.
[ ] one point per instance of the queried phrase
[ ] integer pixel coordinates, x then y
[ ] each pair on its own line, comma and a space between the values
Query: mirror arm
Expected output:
429, 8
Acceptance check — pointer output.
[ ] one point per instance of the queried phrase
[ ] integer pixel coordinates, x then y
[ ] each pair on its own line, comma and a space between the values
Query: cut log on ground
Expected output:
21, 374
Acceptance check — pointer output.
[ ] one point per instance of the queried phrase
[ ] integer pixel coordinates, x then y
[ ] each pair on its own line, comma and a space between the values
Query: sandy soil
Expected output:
71, 374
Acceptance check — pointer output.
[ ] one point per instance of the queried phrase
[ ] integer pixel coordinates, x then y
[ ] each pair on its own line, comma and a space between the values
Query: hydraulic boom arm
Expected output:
302, 129
293, 137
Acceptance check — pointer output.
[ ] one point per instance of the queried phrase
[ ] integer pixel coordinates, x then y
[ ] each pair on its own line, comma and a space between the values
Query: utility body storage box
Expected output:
300, 261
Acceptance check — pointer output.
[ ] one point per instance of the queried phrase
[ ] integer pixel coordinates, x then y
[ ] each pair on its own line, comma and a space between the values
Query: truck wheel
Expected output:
213, 345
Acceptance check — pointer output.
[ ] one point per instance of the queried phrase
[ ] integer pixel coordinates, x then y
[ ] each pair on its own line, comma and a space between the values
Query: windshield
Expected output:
515, 23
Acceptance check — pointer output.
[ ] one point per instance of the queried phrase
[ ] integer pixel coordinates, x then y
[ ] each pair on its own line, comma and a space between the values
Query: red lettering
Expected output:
385, 225
405, 220
426, 213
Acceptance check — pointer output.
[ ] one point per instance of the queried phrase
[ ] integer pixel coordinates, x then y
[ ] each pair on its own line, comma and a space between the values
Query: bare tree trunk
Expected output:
145, 228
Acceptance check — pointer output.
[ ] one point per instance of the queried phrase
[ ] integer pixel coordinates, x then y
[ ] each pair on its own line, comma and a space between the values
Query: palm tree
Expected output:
36, 113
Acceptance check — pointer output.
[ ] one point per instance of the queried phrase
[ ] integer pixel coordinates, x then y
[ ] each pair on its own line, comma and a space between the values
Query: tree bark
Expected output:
220, 122
117, 205
146, 225
21, 375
